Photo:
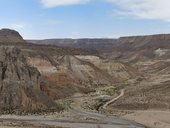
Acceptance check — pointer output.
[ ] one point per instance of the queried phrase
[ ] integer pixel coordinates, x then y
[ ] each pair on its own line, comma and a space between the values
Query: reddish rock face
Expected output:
20, 84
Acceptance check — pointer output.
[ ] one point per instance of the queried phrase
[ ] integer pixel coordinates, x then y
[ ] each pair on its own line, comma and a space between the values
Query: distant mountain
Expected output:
141, 42
131, 48
89, 44
134, 48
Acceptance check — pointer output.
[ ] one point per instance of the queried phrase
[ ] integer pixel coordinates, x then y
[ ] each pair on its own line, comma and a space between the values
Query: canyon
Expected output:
70, 80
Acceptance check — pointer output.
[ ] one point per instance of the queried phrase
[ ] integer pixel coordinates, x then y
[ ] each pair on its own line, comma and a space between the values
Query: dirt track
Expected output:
104, 120
95, 120
114, 99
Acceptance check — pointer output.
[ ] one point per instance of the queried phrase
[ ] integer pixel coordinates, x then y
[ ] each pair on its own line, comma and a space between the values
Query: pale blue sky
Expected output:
40, 19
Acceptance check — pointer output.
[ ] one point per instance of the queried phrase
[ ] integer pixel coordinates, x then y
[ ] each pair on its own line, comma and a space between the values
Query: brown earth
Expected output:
10, 36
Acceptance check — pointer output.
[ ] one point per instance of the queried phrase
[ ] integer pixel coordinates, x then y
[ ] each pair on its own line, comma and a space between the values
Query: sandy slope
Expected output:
153, 119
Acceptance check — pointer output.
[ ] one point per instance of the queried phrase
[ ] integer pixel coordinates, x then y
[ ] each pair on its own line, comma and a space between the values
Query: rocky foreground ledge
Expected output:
20, 85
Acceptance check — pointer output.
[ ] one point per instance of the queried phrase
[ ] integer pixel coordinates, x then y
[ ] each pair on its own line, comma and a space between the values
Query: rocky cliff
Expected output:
20, 84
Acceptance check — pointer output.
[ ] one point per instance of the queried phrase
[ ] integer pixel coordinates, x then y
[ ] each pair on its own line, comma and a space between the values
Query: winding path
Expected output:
114, 99
95, 120
104, 120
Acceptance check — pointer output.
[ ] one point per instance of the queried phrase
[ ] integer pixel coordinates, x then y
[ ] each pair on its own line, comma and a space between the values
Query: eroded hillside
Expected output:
150, 56
20, 84
69, 74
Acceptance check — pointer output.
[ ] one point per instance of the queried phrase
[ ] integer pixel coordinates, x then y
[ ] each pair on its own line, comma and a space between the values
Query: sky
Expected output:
42, 19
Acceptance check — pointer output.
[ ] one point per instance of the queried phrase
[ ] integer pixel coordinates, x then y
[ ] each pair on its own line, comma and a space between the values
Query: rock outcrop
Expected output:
20, 84
10, 36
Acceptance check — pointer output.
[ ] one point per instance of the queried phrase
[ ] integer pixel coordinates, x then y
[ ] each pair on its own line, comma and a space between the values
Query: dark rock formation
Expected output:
10, 36
20, 84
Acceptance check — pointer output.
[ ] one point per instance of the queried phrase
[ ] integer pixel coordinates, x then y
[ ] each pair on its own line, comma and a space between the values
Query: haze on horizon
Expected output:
41, 19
